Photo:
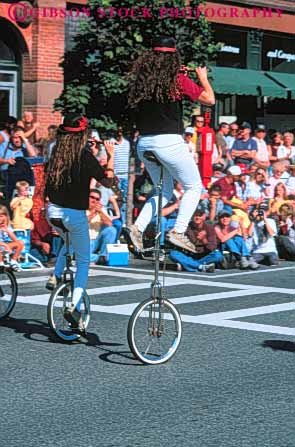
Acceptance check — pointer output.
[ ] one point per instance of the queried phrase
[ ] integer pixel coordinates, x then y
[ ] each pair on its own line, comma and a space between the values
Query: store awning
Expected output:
286, 80
235, 81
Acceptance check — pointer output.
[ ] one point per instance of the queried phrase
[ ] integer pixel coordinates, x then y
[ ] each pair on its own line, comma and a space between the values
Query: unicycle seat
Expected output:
150, 156
57, 222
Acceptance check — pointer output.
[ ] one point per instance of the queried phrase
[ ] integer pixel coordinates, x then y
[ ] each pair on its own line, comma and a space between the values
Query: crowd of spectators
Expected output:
246, 215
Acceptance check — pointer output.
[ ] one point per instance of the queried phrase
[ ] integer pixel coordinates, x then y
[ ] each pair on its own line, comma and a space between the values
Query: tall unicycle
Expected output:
154, 329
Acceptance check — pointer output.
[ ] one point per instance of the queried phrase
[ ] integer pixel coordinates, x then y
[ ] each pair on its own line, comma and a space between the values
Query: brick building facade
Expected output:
30, 53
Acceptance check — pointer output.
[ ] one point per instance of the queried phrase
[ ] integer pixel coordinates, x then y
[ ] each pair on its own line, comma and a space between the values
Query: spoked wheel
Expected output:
61, 298
8, 292
154, 331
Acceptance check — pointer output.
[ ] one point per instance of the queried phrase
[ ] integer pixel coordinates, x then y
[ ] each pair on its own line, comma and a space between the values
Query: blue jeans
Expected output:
178, 164
117, 223
123, 186
106, 236
77, 223
236, 245
190, 264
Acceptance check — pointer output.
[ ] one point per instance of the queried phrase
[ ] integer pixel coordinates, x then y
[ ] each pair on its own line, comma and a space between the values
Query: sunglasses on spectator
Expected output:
199, 121
94, 198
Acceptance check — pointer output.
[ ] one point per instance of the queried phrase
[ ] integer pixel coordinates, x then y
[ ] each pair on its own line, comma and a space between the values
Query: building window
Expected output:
278, 53
233, 52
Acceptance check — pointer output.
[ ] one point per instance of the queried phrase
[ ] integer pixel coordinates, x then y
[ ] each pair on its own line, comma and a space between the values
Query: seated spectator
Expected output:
9, 125
258, 188
8, 241
229, 190
202, 235
278, 170
244, 150
18, 147
290, 183
30, 126
287, 151
45, 240
286, 240
262, 155
101, 230
263, 231
273, 147
213, 205
21, 205
110, 204
231, 239
280, 198
217, 172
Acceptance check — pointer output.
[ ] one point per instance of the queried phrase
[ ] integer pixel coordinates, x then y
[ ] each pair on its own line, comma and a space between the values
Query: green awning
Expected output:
235, 81
285, 79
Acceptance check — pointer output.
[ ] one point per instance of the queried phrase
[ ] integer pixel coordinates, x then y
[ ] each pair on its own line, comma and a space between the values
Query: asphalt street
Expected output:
231, 383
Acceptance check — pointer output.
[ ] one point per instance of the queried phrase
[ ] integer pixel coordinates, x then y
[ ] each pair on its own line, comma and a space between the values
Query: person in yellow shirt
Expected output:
21, 205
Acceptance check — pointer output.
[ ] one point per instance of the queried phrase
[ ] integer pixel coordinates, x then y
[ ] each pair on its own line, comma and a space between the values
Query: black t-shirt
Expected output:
154, 118
74, 191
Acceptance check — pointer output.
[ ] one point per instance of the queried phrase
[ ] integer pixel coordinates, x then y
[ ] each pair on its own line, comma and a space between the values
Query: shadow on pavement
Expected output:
279, 345
31, 329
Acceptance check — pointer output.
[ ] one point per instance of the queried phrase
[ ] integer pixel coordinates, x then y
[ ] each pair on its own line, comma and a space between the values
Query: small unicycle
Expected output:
61, 299
154, 329
8, 291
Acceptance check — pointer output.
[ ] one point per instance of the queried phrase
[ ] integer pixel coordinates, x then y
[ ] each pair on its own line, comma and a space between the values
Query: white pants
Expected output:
178, 164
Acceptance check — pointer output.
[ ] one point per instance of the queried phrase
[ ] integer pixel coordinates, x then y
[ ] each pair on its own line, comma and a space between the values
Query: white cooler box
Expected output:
117, 254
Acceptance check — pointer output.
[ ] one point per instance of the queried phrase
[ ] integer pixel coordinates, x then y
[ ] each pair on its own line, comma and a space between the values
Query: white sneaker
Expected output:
136, 237
181, 240
15, 266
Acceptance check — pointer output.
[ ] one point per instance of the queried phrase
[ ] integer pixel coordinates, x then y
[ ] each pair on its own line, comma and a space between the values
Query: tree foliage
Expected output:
94, 69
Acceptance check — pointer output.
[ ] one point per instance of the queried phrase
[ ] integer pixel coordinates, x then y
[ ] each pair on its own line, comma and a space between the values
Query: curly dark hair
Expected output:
67, 150
153, 76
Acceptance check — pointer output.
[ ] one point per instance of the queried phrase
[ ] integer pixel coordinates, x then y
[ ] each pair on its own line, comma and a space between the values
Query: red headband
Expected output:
83, 122
165, 49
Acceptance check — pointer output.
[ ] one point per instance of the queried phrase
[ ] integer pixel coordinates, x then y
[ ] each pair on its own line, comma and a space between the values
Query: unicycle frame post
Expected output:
156, 285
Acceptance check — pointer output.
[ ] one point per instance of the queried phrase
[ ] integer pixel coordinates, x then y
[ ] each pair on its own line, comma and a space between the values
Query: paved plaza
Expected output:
230, 384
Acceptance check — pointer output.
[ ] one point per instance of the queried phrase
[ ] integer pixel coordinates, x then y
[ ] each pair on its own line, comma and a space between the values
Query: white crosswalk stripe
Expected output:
142, 281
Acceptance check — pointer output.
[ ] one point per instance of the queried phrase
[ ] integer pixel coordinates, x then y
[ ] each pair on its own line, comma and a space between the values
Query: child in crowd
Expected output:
8, 241
21, 205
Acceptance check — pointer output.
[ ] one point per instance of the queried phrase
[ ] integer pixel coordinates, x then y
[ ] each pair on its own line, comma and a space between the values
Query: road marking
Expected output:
202, 275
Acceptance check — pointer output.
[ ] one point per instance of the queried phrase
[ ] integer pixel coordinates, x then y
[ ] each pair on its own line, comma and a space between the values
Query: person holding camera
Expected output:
263, 231
18, 147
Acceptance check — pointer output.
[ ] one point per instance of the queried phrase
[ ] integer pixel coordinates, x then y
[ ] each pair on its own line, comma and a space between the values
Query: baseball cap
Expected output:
189, 130
225, 214
260, 128
234, 170
246, 125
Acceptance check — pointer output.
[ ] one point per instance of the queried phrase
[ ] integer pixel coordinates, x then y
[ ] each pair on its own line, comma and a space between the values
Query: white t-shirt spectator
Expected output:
262, 151
269, 245
284, 152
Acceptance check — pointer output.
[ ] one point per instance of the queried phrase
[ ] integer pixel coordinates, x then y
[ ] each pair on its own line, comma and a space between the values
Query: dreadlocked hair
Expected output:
67, 150
153, 76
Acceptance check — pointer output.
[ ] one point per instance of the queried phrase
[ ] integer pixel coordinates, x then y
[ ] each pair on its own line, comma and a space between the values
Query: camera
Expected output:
260, 213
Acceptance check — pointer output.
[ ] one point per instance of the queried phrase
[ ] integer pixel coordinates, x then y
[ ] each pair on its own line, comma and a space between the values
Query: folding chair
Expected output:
30, 262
